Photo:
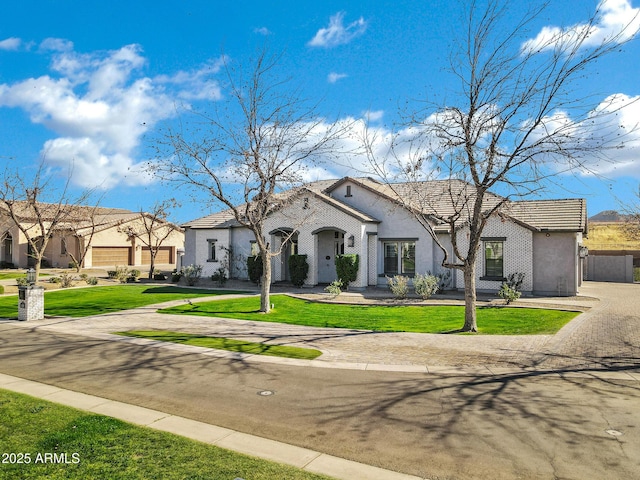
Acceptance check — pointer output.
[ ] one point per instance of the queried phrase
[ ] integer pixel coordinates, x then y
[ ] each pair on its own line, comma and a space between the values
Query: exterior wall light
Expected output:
351, 241
31, 276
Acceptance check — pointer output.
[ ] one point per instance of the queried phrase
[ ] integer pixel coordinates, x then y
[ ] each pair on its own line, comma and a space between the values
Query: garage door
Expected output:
163, 256
111, 256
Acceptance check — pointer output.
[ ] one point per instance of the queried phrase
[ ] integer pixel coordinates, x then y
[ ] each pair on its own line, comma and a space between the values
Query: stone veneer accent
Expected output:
31, 307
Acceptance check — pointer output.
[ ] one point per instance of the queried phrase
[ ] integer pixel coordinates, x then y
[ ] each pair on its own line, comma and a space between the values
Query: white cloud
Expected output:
373, 115
333, 77
197, 84
337, 33
262, 31
12, 43
56, 45
99, 105
615, 19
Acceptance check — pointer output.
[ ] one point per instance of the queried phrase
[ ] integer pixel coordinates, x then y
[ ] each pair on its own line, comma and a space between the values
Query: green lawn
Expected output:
102, 447
17, 274
83, 302
420, 319
222, 343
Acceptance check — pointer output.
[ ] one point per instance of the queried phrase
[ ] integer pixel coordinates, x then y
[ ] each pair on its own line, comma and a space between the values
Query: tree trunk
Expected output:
37, 267
152, 265
470, 324
265, 287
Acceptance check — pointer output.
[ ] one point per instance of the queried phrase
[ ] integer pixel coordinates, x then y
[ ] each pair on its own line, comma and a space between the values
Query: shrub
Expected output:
66, 280
83, 277
22, 281
510, 289
92, 281
426, 285
515, 281
220, 276
112, 274
176, 276
334, 288
160, 276
636, 274
399, 285
54, 280
298, 268
192, 274
120, 273
347, 268
135, 274
508, 294
444, 280
254, 268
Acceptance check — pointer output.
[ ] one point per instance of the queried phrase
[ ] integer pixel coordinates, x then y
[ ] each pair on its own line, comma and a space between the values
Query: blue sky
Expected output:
92, 82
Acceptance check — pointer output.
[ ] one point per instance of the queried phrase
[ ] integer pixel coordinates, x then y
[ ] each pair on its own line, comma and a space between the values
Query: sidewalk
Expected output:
271, 450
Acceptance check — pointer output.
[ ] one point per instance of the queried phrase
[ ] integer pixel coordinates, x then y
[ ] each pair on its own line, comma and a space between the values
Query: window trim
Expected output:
400, 258
486, 276
211, 249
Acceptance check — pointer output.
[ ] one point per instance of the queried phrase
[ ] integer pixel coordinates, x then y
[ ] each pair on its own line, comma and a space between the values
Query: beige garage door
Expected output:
108, 256
163, 255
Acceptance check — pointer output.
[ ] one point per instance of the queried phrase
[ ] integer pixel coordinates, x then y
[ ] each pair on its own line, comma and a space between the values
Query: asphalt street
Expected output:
523, 424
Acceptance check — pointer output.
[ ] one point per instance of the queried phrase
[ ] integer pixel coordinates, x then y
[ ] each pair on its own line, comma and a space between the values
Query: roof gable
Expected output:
436, 199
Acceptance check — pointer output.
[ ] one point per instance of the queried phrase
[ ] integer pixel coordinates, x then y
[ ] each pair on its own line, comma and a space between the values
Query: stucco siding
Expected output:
555, 263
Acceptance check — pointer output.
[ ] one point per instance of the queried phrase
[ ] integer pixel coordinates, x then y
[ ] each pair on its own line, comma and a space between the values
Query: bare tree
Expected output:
23, 201
514, 124
245, 156
153, 229
81, 226
631, 210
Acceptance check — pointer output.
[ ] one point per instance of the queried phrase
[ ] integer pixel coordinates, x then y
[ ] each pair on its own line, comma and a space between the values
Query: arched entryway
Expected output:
287, 239
7, 250
330, 243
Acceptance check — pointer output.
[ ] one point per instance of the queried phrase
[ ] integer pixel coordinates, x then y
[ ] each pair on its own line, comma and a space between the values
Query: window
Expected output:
493, 259
63, 246
212, 250
348, 194
391, 258
400, 258
408, 258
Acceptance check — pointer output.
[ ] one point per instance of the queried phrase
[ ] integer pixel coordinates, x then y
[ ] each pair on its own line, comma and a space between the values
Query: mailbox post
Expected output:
30, 299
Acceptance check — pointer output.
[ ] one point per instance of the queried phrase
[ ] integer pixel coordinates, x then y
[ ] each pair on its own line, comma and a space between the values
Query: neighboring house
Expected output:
540, 238
106, 231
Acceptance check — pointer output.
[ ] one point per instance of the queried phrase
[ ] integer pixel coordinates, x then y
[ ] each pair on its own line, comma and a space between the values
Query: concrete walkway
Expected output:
605, 338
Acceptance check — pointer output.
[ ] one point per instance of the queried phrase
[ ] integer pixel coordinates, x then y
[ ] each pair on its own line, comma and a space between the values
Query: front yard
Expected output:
494, 320
84, 302
418, 319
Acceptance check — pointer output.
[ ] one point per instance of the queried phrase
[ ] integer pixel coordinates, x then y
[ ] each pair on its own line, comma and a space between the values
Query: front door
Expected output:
330, 244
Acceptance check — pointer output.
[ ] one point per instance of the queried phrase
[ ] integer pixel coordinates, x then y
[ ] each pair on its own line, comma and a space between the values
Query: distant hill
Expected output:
608, 216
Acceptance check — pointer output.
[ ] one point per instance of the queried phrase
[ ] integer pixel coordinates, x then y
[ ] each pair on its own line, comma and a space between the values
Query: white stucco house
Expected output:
540, 238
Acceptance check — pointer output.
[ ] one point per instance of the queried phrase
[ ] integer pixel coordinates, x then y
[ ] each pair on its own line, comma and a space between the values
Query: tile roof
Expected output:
78, 217
226, 218
223, 219
563, 215
436, 199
